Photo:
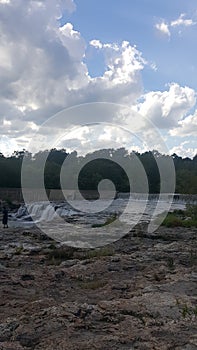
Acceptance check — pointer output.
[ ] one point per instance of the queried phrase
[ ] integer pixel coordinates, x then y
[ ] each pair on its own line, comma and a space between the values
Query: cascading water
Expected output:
64, 223
45, 212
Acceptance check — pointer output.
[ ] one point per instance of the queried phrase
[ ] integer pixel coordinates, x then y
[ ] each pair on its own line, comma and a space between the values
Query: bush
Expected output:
172, 220
187, 218
57, 255
191, 211
96, 253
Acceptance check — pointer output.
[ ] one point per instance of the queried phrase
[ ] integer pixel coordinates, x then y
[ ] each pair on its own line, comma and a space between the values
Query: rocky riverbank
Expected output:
138, 293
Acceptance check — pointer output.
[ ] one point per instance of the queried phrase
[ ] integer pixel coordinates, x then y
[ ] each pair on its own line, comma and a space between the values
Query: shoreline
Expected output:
136, 293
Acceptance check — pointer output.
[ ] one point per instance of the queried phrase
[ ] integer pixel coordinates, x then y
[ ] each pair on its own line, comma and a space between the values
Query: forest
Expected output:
92, 168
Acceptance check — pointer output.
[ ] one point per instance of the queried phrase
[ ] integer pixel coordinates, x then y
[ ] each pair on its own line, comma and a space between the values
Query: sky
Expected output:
138, 54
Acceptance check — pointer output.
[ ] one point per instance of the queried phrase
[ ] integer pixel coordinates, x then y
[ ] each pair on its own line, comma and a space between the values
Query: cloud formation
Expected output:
43, 70
184, 149
165, 109
182, 21
42, 67
164, 27
186, 127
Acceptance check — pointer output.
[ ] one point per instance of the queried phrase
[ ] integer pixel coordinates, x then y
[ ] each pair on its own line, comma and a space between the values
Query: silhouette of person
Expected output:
5, 218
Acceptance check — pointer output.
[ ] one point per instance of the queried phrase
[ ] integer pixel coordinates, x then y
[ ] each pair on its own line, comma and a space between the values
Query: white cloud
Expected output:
153, 66
127, 66
72, 41
6, 122
163, 28
68, 5
42, 67
7, 145
165, 109
184, 150
186, 127
123, 62
89, 139
181, 21
42, 71
96, 43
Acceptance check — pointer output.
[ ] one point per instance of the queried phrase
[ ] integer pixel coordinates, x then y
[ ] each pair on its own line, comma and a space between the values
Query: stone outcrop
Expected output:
138, 293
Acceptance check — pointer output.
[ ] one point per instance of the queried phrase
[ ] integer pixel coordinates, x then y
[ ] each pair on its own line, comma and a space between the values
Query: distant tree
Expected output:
88, 171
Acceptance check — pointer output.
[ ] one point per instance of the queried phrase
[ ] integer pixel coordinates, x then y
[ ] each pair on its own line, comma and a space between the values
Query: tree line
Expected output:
94, 167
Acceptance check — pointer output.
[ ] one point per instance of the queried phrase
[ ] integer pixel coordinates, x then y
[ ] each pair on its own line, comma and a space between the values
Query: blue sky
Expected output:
115, 21
140, 53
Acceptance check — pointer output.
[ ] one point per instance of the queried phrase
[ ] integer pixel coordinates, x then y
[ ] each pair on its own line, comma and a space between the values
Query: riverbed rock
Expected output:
141, 293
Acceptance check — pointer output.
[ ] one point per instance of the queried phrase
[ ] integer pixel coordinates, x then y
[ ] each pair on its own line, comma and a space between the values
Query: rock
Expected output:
11, 346
28, 340
27, 277
2, 267
113, 268
69, 263
115, 259
187, 347
7, 329
142, 297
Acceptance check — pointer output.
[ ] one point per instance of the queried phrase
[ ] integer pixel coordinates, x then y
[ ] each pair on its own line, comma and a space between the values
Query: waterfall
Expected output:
138, 205
41, 211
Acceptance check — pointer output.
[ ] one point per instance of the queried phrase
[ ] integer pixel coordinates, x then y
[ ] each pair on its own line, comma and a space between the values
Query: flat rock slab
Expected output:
138, 293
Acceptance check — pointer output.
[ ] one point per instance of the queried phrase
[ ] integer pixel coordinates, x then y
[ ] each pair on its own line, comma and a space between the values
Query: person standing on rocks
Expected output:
5, 218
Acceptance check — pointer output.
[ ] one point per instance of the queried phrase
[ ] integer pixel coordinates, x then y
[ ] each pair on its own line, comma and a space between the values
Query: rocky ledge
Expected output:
138, 293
